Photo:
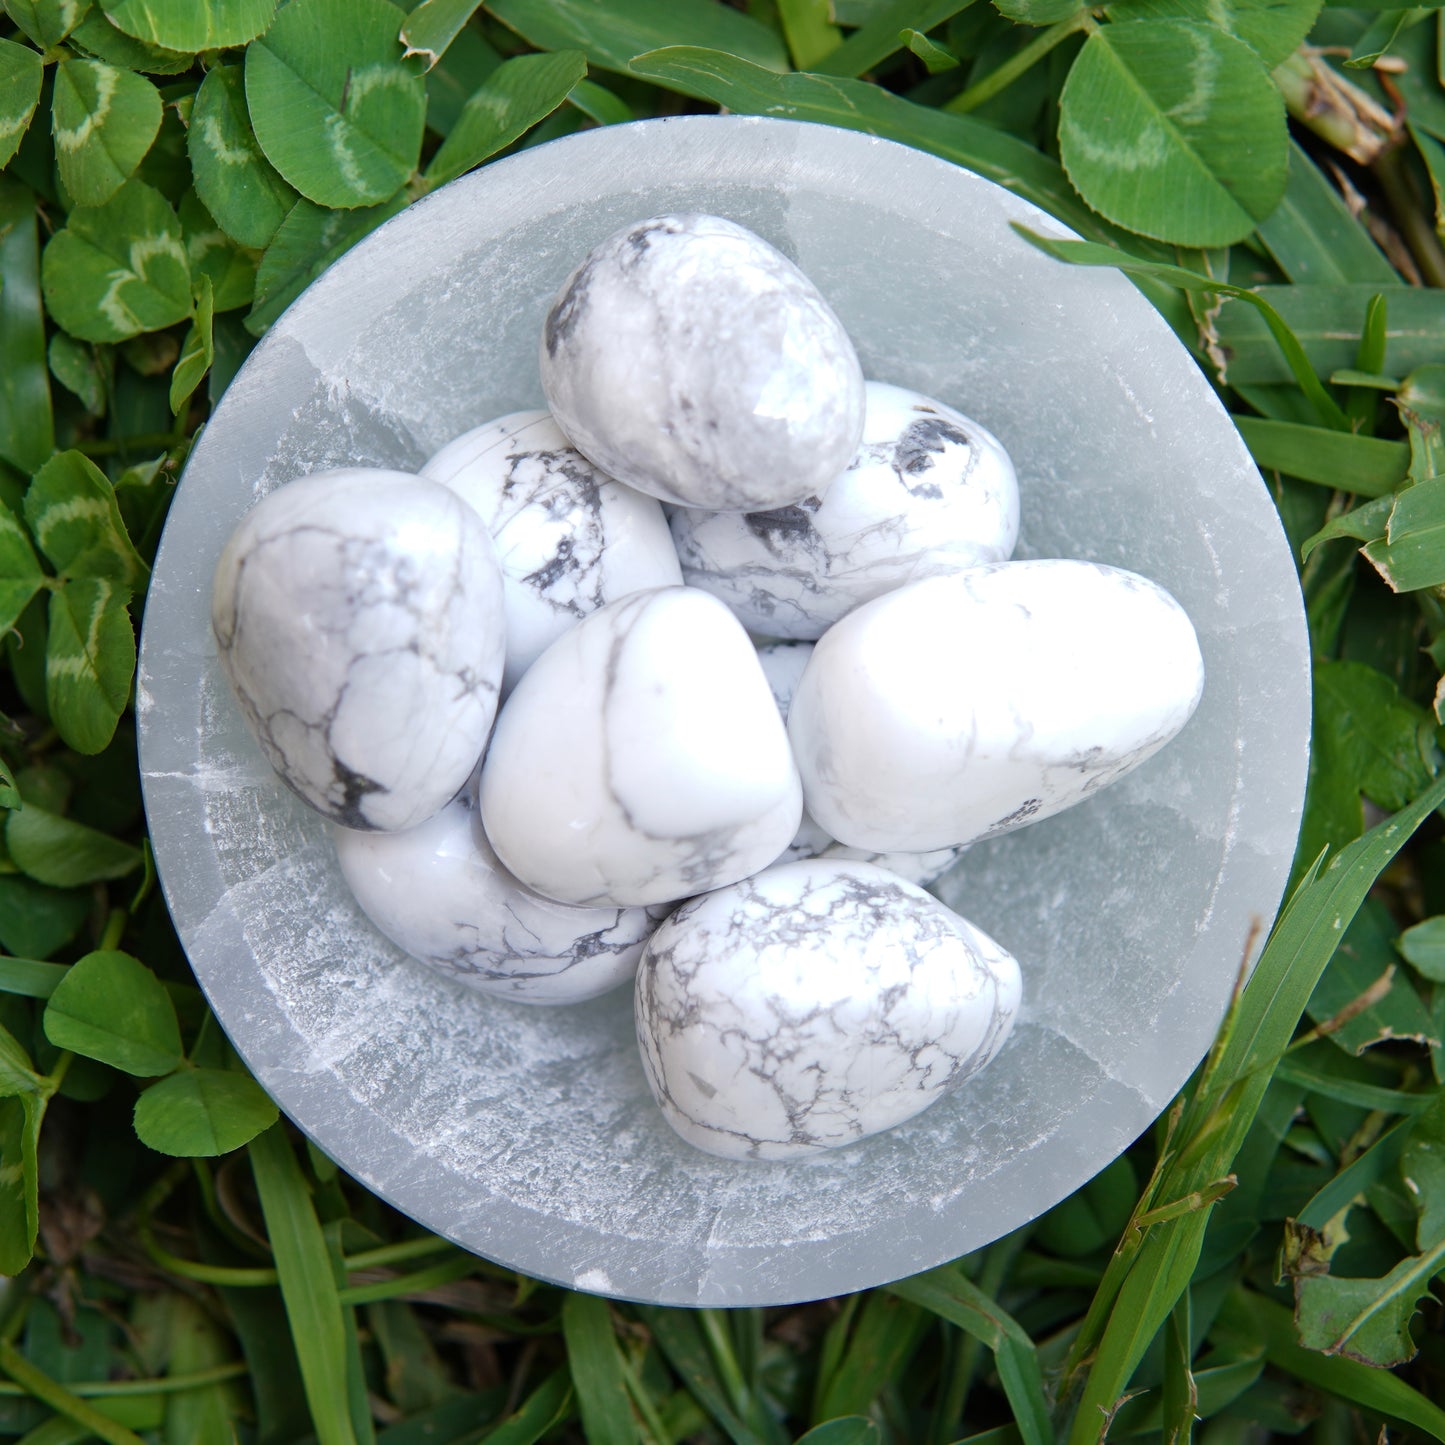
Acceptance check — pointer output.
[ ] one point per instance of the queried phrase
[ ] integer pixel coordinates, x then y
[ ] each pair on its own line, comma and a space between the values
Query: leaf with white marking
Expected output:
335, 109
47, 22
1273, 28
104, 120
21, 73
512, 99
73, 515
189, 25
89, 661
234, 180
118, 269
1175, 130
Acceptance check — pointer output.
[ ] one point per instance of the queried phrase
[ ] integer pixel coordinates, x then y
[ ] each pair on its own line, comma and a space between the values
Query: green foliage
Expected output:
104, 121
174, 174
1173, 129
234, 180
332, 69
118, 269
513, 98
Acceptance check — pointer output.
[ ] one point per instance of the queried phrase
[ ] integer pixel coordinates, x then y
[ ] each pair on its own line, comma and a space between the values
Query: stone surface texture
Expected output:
968, 705
440, 894
359, 619
641, 758
813, 1005
695, 362
783, 665
569, 538
928, 491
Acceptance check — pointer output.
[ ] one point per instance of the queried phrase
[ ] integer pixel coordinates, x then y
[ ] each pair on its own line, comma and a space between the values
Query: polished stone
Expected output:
569, 538
928, 491
689, 358
812, 1005
359, 619
783, 666
641, 758
968, 705
440, 894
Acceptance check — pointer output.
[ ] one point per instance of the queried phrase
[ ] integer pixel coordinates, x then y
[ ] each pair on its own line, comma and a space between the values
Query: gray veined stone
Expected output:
358, 614
814, 1004
692, 360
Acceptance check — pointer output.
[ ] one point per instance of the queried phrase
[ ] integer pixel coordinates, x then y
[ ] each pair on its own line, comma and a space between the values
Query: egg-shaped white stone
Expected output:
928, 491
359, 619
440, 893
812, 1005
641, 758
783, 665
967, 705
693, 361
569, 538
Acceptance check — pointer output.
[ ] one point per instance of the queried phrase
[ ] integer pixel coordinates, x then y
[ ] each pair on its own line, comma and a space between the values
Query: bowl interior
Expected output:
527, 1134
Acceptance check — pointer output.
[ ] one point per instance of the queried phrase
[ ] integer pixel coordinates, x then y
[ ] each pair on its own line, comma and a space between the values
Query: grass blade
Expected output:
880, 36
1328, 321
1147, 1276
680, 1339
545, 1408
949, 1295
597, 1376
61, 1400
888, 1331
1298, 364
1255, 1318
1363, 465
1313, 236
308, 1286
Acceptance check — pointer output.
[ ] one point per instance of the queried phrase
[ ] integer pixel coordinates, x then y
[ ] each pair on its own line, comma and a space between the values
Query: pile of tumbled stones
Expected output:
764, 670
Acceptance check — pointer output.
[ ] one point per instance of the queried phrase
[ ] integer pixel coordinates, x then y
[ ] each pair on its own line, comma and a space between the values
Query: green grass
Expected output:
1258, 1265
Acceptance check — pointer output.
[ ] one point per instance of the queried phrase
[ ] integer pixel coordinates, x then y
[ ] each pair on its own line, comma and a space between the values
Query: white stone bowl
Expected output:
528, 1134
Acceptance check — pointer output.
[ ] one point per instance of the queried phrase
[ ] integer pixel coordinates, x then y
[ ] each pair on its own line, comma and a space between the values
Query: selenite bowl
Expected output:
527, 1134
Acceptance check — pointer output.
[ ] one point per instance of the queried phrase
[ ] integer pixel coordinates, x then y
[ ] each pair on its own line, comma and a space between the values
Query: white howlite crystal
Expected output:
965, 706
696, 363
641, 758
783, 666
812, 1005
359, 619
928, 491
440, 894
569, 538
